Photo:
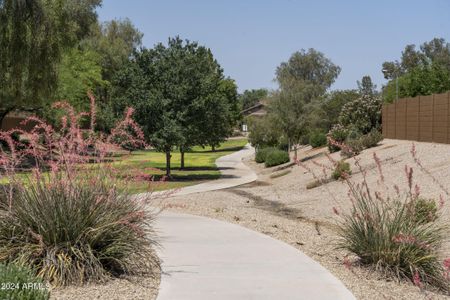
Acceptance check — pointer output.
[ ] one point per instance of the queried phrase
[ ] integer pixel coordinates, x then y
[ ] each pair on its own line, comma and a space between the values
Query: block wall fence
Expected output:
422, 118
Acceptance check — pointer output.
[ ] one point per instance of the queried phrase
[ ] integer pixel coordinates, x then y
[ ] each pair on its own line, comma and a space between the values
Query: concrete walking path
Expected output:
233, 173
206, 259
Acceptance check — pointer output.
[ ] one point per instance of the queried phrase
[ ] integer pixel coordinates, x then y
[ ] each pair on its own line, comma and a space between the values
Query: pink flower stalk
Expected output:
409, 240
378, 163
397, 190
441, 201
416, 280
409, 176
347, 263
404, 239
447, 263
416, 191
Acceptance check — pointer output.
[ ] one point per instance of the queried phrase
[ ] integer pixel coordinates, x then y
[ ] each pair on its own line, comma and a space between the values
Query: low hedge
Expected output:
317, 139
276, 157
261, 154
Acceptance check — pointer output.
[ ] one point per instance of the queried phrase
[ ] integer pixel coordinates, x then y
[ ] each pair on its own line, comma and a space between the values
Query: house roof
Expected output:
257, 109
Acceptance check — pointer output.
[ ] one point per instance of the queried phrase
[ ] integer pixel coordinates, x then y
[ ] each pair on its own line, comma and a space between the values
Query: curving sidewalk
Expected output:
207, 259
233, 173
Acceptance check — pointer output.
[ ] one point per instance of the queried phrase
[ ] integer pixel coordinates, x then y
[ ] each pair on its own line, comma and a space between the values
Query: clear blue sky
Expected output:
250, 38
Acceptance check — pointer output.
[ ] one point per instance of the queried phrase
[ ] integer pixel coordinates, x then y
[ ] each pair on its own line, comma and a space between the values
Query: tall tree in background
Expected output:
325, 110
115, 41
304, 77
366, 86
92, 64
419, 72
250, 98
307, 69
33, 36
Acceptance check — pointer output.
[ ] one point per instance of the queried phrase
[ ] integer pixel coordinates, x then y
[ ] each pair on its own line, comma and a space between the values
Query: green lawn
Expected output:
199, 165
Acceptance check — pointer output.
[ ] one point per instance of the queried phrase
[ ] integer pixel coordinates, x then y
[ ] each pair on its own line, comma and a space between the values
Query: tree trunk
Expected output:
213, 148
182, 159
289, 147
168, 157
3, 114
295, 154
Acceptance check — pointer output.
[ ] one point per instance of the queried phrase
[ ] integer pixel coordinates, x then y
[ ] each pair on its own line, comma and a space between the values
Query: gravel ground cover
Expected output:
139, 288
282, 207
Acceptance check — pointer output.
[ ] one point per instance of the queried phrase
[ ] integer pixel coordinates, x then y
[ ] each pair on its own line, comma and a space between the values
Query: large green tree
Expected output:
33, 36
173, 88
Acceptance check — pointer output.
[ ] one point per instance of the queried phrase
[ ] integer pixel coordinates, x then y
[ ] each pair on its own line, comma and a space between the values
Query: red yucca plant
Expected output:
71, 221
395, 230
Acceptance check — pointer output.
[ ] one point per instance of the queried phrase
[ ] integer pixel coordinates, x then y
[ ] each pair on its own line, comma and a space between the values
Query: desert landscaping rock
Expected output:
136, 288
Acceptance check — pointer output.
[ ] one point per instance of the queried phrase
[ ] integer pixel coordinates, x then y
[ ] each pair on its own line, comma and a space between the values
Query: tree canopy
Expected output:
305, 77
422, 71
307, 70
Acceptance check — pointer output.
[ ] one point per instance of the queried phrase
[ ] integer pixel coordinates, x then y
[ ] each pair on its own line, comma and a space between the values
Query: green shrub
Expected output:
261, 154
425, 210
371, 139
16, 284
77, 230
283, 144
341, 170
363, 113
317, 139
262, 132
352, 148
276, 157
338, 134
352, 134
355, 143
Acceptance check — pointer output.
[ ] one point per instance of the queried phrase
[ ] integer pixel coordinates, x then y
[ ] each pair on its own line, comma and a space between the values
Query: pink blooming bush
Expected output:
393, 229
63, 212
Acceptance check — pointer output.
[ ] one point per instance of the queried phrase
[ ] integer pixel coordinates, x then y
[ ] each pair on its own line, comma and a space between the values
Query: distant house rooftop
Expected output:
257, 110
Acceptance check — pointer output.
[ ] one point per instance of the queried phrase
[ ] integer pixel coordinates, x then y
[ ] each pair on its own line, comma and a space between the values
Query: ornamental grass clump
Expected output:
400, 234
70, 220
341, 171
